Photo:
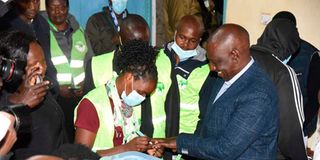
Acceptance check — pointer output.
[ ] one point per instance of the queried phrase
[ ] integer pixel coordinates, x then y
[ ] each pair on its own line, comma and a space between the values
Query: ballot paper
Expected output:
5, 123
131, 155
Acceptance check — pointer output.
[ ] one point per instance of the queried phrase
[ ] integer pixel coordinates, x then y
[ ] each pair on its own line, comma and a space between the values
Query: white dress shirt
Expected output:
227, 84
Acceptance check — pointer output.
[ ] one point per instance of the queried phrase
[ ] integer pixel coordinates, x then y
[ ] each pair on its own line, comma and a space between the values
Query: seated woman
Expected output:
108, 117
47, 131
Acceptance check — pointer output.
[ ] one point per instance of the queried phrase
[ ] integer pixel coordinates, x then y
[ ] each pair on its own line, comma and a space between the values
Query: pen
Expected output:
140, 134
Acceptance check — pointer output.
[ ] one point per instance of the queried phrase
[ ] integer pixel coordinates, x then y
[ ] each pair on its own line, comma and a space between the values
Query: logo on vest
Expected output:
160, 88
182, 83
80, 46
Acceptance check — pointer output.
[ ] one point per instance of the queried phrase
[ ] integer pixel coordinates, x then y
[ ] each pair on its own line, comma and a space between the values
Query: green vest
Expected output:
189, 98
101, 74
104, 137
69, 72
102, 69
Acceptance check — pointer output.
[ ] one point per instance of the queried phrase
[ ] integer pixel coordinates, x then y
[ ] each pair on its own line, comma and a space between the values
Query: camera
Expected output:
22, 117
11, 71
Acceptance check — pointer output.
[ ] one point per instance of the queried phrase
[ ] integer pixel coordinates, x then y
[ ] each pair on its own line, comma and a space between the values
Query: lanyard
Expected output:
52, 25
114, 18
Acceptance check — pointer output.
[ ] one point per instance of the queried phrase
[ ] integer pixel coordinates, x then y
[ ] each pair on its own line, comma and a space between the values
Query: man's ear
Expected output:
235, 55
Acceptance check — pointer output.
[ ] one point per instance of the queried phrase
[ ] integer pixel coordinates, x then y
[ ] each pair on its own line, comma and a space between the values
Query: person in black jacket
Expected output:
47, 119
303, 63
24, 17
102, 27
278, 41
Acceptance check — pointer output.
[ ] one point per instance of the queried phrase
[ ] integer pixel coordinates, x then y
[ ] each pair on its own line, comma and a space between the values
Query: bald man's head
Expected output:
233, 35
188, 32
192, 22
228, 50
134, 27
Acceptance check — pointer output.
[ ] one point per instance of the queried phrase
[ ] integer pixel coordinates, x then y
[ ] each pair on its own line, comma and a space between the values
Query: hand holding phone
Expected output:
39, 79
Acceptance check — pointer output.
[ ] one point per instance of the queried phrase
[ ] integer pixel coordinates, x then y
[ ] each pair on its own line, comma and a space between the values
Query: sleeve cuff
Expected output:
183, 143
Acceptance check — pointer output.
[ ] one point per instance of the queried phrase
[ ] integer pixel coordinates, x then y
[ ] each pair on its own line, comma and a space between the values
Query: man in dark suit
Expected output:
242, 116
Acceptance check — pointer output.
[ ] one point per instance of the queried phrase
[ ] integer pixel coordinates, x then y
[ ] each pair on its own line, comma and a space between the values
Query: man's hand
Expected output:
30, 93
140, 144
79, 91
65, 91
10, 137
33, 95
167, 143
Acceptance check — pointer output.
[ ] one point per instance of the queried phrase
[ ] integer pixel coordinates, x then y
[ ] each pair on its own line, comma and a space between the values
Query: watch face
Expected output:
5, 123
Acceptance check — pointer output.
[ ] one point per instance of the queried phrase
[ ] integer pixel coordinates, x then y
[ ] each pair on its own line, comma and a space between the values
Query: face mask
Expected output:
133, 99
183, 54
119, 6
286, 60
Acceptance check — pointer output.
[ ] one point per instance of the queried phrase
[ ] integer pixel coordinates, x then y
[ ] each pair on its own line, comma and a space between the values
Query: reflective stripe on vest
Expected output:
104, 137
76, 67
64, 77
189, 98
59, 60
76, 63
102, 69
78, 79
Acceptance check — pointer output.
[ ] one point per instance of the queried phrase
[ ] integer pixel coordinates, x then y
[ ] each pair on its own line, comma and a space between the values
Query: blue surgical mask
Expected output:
119, 6
132, 99
183, 54
286, 60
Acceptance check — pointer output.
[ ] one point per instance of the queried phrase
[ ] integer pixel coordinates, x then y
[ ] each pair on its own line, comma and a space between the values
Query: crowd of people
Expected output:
105, 92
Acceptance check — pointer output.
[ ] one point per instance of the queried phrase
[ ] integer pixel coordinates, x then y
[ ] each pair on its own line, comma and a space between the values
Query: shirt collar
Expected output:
238, 75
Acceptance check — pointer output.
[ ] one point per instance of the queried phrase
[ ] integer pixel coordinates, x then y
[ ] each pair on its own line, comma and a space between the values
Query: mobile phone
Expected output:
39, 79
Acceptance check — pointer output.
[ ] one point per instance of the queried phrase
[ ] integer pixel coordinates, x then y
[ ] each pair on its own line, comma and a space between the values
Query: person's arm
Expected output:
244, 128
86, 124
291, 117
140, 144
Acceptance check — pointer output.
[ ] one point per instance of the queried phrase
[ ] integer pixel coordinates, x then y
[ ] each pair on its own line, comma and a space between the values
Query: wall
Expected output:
248, 14
83, 9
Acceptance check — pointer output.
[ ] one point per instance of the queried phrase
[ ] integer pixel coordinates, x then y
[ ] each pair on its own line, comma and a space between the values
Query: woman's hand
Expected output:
140, 144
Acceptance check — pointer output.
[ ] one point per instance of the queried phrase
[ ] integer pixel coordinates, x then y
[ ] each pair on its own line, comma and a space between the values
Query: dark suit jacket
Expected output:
241, 124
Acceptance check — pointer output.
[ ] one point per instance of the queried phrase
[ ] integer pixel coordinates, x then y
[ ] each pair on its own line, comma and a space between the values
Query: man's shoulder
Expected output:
98, 16
269, 63
304, 45
257, 78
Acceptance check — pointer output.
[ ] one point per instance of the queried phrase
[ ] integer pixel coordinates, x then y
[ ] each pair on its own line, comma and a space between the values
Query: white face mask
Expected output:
119, 6
132, 99
183, 54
